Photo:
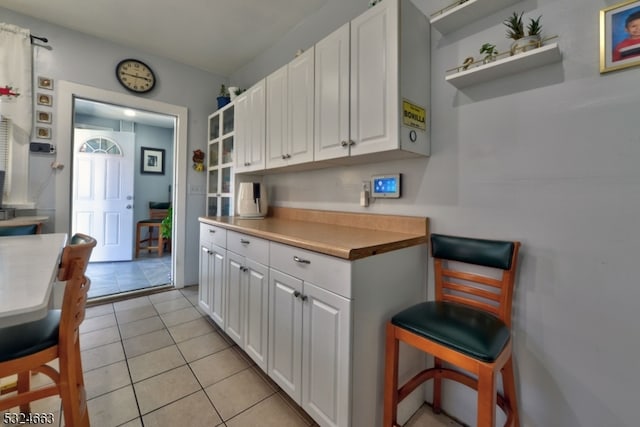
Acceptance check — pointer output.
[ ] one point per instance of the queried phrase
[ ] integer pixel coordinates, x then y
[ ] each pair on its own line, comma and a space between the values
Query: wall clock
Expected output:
135, 75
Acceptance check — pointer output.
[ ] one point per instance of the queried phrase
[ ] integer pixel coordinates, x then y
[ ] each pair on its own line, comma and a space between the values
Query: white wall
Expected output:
86, 60
548, 157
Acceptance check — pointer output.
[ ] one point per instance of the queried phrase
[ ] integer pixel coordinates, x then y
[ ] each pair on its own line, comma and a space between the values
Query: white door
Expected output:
326, 347
103, 168
332, 95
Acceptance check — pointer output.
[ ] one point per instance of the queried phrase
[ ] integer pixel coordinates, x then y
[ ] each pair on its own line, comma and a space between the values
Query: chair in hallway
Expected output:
157, 212
29, 347
467, 326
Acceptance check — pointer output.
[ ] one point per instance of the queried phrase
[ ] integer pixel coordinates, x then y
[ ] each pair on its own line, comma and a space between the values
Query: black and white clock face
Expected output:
135, 75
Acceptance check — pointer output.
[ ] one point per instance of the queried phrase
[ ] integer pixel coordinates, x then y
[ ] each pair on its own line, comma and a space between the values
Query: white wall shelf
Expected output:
463, 14
544, 55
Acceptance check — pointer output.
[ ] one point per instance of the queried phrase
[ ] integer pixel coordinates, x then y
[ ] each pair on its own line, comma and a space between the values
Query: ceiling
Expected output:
218, 36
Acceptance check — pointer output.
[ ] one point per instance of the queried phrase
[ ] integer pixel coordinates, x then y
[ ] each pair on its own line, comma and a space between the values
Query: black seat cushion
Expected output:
29, 338
151, 220
473, 332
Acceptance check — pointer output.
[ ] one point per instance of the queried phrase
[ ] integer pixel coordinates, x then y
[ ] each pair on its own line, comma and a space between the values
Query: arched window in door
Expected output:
101, 146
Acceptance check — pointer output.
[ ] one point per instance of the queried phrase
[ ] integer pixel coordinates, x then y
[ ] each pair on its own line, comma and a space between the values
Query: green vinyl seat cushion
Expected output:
18, 230
475, 333
28, 338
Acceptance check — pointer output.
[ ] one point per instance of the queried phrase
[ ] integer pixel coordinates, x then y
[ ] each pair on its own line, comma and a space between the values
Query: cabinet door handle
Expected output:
344, 143
284, 156
287, 156
352, 142
245, 269
205, 250
301, 260
296, 294
245, 241
304, 298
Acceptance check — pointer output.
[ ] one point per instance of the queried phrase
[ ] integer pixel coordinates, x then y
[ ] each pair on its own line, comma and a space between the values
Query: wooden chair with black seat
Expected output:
29, 347
467, 326
157, 212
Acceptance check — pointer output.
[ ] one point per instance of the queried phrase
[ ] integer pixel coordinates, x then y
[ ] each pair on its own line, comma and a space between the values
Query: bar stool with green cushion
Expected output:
30, 347
19, 230
157, 212
467, 326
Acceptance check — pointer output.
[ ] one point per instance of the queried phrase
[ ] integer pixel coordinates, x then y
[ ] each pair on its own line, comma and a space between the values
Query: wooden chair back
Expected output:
158, 210
455, 283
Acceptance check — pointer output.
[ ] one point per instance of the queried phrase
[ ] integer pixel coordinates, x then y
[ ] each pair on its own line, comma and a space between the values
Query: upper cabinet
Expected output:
290, 94
250, 126
360, 94
388, 79
220, 153
464, 12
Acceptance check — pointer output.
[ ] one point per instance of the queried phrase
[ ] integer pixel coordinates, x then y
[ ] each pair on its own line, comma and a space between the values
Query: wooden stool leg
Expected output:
437, 387
160, 242
23, 386
391, 378
486, 398
138, 236
510, 394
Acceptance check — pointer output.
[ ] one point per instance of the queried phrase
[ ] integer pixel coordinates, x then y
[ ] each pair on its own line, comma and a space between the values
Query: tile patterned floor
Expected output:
146, 271
157, 361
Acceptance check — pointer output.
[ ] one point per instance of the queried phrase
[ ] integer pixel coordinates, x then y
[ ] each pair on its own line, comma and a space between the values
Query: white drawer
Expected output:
212, 235
327, 272
250, 247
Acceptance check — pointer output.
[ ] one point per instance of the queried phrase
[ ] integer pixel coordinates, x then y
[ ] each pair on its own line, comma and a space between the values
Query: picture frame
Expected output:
620, 36
44, 99
43, 116
45, 83
43, 132
152, 160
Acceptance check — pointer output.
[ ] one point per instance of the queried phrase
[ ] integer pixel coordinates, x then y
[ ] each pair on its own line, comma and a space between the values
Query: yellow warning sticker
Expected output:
413, 115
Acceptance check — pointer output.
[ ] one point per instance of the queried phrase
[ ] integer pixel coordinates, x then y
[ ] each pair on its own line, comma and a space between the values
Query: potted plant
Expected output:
166, 226
523, 40
489, 51
235, 91
223, 96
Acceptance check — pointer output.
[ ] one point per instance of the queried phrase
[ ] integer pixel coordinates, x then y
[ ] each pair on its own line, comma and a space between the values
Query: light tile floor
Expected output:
157, 361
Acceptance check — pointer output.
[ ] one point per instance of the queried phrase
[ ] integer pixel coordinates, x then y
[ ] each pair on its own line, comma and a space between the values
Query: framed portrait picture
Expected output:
45, 83
43, 116
45, 99
43, 132
620, 36
152, 160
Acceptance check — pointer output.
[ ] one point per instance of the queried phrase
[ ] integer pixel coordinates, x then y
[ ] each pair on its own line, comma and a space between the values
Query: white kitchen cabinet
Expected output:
310, 332
212, 275
250, 124
219, 166
332, 95
247, 290
388, 84
290, 106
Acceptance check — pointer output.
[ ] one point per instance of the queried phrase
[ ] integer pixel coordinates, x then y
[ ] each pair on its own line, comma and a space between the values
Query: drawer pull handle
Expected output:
245, 241
296, 294
212, 230
301, 260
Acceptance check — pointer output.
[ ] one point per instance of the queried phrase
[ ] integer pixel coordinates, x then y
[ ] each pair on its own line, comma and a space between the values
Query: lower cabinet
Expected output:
309, 346
247, 306
314, 322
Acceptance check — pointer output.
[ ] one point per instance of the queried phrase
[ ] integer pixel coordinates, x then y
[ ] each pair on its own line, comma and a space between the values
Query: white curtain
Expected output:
15, 77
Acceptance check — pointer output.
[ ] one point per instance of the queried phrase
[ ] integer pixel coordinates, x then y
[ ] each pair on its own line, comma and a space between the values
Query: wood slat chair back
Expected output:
68, 381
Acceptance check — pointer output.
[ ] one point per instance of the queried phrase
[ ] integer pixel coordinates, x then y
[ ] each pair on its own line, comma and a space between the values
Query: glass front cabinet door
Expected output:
220, 162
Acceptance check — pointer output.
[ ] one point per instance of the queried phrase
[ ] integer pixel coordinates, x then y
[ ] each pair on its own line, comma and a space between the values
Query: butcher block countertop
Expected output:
345, 235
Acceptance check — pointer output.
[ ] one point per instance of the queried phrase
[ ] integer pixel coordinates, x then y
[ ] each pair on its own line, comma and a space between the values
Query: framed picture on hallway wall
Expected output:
152, 160
620, 36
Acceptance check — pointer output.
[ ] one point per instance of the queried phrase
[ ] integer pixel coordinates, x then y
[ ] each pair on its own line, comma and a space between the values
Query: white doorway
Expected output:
68, 91
103, 192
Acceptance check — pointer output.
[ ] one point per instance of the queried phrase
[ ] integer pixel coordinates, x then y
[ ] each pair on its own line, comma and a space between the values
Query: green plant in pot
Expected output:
523, 39
166, 226
489, 51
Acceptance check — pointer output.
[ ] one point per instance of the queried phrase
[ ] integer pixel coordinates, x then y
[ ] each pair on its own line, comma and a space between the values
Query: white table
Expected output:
28, 268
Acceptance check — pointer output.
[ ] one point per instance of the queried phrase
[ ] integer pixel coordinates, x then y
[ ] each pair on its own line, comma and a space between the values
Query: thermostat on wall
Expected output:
385, 186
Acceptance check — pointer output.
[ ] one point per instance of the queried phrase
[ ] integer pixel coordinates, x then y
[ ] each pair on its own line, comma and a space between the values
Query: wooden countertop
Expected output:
345, 235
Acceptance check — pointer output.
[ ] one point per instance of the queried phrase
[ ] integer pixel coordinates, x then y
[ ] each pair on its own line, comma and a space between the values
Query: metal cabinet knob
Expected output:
296, 294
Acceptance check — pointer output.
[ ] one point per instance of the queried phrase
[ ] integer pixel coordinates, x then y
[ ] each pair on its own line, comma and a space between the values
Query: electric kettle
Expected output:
252, 200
